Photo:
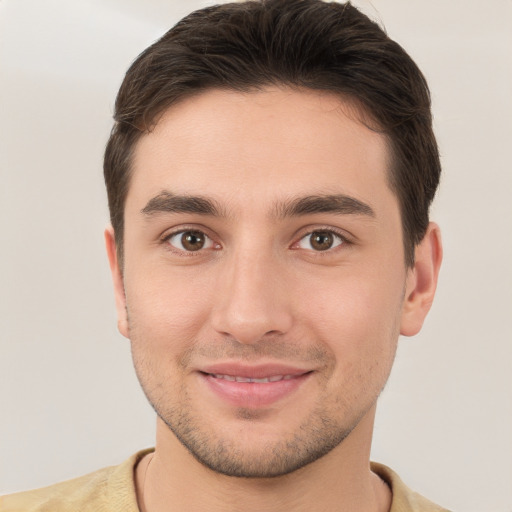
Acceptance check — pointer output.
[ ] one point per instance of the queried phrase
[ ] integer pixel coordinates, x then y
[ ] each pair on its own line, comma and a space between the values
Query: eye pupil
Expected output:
193, 240
321, 240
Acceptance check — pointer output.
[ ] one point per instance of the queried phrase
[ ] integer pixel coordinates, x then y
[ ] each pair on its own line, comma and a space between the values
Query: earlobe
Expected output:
117, 280
422, 281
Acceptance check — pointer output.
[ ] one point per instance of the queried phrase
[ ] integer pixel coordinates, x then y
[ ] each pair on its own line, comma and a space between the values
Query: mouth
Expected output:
253, 387
263, 380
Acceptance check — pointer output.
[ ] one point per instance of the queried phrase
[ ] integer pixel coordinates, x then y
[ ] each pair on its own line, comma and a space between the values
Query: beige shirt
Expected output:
113, 489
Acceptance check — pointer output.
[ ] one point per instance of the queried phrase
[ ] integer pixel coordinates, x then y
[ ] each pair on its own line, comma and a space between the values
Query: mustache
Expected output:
268, 348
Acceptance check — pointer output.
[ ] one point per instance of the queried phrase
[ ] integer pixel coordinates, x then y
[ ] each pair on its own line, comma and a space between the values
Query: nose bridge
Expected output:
251, 299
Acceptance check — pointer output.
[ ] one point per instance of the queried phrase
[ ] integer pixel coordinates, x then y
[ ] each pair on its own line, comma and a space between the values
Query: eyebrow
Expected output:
332, 203
166, 202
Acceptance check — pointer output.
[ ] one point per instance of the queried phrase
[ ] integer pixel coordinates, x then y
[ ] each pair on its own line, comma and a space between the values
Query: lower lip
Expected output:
253, 394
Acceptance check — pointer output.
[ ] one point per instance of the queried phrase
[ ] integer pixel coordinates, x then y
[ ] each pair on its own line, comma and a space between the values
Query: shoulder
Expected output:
404, 499
97, 492
77, 494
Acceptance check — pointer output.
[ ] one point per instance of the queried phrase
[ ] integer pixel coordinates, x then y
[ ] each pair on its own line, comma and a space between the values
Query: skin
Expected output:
260, 292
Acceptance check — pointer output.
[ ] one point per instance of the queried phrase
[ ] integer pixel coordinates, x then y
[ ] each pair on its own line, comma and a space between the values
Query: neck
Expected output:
172, 479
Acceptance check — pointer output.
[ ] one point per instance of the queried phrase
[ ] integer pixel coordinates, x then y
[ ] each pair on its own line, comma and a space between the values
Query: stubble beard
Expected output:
311, 441
319, 433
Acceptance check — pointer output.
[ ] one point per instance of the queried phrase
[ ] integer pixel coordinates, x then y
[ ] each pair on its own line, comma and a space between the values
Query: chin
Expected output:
252, 451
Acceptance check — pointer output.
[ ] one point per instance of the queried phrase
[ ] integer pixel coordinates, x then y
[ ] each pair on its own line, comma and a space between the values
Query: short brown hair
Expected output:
298, 43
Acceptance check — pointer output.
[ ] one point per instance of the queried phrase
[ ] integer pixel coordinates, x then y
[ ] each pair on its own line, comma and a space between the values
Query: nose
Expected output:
253, 301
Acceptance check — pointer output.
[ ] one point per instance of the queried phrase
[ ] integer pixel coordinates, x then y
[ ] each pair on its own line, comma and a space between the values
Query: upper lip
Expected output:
254, 371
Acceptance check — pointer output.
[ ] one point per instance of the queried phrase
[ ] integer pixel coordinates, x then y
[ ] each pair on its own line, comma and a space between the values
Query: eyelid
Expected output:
182, 228
168, 234
345, 237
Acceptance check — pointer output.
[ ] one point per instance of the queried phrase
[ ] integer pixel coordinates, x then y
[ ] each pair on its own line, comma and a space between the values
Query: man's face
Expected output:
264, 275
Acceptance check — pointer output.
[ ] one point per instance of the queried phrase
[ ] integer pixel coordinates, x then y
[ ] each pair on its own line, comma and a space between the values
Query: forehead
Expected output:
267, 144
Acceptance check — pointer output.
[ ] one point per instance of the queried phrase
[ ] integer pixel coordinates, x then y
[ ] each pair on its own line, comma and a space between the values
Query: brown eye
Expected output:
320, 241
190, 241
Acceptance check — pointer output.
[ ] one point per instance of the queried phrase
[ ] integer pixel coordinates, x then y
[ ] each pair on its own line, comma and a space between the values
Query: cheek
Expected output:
356, 317
361, 331
164, 319
165, 309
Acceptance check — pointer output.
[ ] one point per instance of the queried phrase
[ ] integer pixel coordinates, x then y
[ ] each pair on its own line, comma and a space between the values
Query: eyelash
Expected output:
168, 236
343, 240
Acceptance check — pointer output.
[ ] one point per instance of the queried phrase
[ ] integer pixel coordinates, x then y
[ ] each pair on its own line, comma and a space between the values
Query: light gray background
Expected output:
69, 399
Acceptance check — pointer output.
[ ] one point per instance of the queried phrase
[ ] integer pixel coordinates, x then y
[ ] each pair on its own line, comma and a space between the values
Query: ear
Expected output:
422, 281
117, 279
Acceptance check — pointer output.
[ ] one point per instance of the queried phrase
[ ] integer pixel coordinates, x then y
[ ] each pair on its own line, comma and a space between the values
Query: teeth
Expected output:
225, 377
274, 378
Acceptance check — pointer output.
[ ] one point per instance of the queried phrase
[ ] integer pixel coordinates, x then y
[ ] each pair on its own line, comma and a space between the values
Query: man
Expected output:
269, 178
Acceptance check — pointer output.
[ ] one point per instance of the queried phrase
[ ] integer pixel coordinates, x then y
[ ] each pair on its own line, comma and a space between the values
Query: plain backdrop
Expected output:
69, 399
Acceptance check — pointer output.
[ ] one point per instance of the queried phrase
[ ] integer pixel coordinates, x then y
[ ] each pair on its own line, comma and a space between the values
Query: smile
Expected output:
253, 387
237, 378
